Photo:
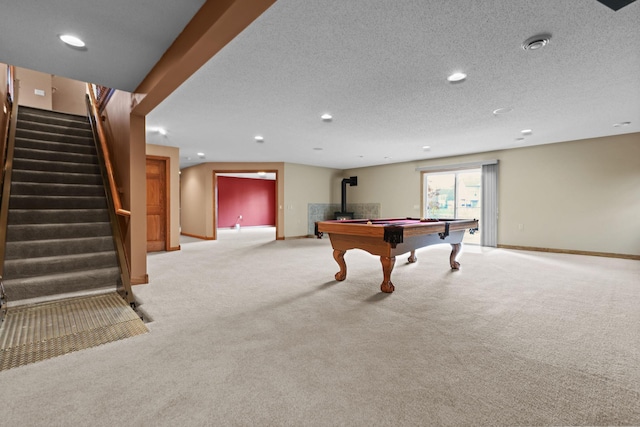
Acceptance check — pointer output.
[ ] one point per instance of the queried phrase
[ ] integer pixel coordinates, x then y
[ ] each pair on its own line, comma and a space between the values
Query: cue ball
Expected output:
369, 223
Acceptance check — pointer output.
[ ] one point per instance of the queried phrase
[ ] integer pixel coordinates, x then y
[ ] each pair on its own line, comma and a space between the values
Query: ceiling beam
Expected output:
216, 24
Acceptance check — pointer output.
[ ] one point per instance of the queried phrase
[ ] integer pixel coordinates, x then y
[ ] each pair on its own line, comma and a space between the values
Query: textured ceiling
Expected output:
379, 67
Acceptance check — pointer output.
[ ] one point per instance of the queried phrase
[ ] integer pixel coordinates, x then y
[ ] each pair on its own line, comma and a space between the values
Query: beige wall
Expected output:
138, 198
304, 185
577, 195
193, 212
396, 187
298, 185
28, 82
580, 195
197, 195
68, 96
173, 153
61, 94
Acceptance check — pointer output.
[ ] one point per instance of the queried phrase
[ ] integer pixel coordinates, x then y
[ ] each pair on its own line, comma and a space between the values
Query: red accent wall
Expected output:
254, 199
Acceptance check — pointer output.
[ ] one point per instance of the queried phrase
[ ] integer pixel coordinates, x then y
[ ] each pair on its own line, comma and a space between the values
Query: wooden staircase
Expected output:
59, 238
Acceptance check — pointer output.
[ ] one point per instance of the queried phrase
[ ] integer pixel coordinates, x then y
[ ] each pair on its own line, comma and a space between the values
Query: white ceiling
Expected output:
378, 66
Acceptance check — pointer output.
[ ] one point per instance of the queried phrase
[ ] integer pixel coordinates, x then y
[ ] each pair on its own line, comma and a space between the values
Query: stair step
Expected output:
52, 247
27, 124
44, 165
56, 202
56, 216
33, 267
56, 177
23, 232
34, 287
39, 144
55, 189
37, 114
44, 136
54, 156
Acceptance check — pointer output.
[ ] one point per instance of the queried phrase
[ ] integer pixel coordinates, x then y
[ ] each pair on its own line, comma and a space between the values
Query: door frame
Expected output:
215, 195
167, 198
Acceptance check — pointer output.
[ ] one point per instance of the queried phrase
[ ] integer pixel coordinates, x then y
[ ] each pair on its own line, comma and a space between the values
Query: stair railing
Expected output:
103, 94
7, 104
103, 149
7, 163
117, 214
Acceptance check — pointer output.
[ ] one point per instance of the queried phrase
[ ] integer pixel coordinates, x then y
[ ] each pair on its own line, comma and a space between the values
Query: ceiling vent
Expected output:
616, 4
536, 42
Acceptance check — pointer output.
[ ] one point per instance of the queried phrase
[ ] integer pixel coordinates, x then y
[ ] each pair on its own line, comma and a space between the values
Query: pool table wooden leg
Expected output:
455, 250
387, 268
338, 255
412, 258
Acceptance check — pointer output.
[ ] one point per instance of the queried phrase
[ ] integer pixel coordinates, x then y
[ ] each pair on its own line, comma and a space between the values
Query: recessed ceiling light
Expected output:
162, 131
526, 131
617, 125
426, 147
498, 111
262, 173
536, 42
457, 77
200, 154
326, 117
259, 138
71, 40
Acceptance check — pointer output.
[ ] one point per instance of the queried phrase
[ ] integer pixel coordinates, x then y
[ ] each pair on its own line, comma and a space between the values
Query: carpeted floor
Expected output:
249, 331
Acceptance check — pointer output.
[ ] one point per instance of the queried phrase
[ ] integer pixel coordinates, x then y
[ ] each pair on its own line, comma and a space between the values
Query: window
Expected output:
464, 190
454, 195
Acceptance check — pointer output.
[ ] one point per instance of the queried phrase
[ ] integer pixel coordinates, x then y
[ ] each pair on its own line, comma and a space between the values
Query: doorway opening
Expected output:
245, 204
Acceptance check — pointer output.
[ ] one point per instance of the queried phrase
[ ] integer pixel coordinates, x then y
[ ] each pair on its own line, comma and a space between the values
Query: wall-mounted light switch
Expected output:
39, 92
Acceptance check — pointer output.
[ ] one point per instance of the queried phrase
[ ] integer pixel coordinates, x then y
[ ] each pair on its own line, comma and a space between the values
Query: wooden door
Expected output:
157, 204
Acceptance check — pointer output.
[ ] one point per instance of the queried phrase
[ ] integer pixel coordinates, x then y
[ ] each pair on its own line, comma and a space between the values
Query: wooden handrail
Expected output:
103, 94
118, 216
105, 154
7, 103
7, 169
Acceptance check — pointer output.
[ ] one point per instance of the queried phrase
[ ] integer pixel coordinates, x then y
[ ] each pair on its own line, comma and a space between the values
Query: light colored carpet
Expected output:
248, 331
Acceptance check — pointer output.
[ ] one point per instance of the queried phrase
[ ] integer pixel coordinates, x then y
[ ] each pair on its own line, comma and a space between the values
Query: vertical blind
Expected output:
489, 220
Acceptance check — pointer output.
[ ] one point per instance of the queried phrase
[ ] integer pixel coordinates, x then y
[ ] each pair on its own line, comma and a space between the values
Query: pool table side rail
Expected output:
357, 228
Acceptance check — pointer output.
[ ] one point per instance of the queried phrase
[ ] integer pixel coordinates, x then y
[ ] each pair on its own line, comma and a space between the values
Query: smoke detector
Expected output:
536, 42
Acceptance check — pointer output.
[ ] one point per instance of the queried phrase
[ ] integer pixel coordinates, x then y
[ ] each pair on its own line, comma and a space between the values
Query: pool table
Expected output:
390, 237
